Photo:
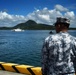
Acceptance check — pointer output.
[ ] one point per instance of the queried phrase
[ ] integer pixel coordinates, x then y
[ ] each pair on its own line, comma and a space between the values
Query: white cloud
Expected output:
44, 16
60, 8
10, 20
70, 15
47, 16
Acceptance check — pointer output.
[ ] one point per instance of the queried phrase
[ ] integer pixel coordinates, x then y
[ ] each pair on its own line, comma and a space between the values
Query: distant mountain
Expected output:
32, 25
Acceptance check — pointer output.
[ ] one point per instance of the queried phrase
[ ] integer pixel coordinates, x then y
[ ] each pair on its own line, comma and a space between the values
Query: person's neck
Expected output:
65, 30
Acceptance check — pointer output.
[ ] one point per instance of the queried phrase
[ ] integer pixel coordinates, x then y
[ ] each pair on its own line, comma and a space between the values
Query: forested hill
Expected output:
32, 25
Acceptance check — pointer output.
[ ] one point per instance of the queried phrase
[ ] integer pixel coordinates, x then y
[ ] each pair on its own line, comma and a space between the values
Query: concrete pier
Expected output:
9, 73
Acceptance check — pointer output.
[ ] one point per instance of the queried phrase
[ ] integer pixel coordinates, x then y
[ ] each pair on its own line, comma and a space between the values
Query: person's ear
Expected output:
59, 25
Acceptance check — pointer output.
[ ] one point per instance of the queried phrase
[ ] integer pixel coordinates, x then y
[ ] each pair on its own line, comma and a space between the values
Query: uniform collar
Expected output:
64, 33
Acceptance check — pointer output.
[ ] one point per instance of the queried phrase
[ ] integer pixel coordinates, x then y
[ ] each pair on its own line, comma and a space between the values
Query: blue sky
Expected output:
13, 12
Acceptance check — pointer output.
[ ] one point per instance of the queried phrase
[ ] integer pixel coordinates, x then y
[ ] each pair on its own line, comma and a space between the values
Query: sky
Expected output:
13, 12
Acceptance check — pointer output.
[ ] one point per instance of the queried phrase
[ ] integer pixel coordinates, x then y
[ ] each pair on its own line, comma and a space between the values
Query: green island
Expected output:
32, 25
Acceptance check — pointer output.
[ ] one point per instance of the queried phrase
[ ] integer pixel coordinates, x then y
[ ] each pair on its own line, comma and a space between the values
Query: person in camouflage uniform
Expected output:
59, 51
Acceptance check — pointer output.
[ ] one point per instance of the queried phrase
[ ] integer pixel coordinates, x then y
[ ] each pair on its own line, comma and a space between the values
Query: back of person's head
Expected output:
63, 22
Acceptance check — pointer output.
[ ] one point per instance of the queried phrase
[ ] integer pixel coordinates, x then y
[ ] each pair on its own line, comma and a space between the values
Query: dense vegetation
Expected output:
32, 25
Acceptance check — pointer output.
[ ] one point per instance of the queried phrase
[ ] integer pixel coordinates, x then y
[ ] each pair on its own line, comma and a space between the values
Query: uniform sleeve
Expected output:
74, 48
74, 54
44, 59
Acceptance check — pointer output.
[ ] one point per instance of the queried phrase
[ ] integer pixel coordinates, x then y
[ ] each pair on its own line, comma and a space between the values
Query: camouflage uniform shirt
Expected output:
57, 54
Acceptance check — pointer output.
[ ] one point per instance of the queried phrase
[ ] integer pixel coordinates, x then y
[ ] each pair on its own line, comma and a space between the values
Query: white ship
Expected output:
17, 30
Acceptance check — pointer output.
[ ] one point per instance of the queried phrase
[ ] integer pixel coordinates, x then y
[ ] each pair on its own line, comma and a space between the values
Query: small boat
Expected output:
17, 30
50, 32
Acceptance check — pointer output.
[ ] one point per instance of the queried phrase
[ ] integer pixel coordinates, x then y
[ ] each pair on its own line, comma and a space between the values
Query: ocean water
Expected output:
23, 47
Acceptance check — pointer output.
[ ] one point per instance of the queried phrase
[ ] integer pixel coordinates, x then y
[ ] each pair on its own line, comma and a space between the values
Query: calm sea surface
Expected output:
23, 47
